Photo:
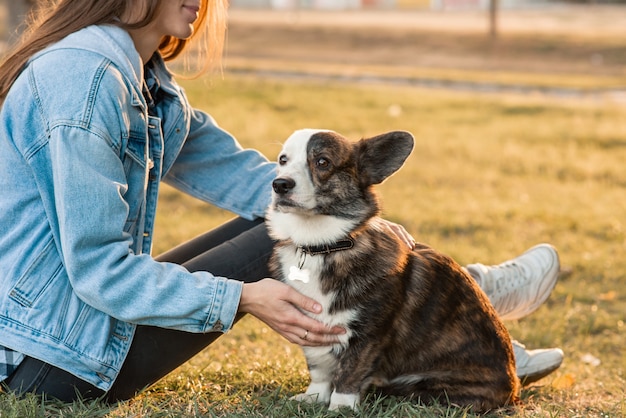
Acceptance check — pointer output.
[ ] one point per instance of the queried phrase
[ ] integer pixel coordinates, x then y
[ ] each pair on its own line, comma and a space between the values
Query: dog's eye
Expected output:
322, 163
282, 160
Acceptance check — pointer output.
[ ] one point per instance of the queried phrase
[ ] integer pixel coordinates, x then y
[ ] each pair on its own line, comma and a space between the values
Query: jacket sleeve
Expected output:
89, 187
214, 167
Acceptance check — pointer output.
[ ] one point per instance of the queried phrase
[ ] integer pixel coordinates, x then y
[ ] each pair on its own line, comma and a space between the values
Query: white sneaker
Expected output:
532, 365
519, 286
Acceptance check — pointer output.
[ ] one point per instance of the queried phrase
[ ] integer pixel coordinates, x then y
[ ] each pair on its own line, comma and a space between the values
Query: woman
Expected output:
91, 122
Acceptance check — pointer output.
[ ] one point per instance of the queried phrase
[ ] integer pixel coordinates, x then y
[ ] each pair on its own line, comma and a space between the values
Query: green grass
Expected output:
490, 176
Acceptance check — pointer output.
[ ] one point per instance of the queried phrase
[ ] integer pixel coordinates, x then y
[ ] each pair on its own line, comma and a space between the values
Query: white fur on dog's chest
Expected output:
312, 288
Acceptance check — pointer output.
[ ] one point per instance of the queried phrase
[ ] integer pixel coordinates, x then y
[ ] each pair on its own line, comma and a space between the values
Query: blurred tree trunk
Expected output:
493, 19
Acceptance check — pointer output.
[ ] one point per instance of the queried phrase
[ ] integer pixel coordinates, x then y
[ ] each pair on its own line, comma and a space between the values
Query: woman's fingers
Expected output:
401, 233
281, 307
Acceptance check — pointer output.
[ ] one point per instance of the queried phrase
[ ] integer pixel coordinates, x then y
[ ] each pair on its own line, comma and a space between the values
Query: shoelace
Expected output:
507, 278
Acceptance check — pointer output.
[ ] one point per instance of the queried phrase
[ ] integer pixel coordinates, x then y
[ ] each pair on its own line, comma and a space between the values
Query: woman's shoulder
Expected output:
63, 80
68, 68
97, 52
79, 88
97, 63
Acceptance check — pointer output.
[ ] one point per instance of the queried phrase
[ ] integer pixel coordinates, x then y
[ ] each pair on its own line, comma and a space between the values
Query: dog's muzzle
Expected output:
282, 186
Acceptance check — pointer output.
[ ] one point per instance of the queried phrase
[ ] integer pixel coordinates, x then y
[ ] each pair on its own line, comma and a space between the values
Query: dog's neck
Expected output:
308, 231
344, 244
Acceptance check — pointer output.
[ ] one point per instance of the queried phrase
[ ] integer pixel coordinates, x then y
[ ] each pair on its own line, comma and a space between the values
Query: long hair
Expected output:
55, 19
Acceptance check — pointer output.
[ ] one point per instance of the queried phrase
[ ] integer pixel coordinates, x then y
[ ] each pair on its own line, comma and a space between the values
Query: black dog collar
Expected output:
344, 244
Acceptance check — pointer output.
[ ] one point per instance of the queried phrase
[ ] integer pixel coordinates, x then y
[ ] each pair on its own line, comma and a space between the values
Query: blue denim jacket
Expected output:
82, 159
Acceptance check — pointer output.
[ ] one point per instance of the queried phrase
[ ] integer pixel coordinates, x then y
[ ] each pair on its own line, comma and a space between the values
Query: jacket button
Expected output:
218, 326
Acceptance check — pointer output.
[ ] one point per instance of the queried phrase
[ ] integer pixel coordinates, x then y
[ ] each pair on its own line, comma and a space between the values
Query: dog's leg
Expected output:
321, 363
353, 375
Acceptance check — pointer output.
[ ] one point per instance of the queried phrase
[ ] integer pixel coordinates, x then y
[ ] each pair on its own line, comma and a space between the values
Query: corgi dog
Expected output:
418, 326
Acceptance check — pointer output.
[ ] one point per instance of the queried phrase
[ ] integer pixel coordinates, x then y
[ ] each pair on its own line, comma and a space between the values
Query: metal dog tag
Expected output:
297, 274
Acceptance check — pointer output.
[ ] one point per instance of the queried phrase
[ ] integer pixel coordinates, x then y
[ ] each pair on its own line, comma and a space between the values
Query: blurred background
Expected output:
424, 40
573, 36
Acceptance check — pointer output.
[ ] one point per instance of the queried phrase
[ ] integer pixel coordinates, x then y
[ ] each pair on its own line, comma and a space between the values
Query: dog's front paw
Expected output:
305, 397
315, 393
337, 400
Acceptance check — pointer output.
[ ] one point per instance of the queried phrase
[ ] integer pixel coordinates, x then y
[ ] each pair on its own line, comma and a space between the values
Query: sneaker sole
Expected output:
532, 378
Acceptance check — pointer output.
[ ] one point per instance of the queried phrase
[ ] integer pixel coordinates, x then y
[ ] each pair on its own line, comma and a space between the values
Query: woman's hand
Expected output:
401, 233
279, 306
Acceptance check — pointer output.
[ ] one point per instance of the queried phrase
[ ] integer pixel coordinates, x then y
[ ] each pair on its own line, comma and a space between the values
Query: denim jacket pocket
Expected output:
26, 290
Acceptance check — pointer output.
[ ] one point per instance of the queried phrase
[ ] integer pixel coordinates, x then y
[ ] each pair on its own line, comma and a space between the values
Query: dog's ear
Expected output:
382, 155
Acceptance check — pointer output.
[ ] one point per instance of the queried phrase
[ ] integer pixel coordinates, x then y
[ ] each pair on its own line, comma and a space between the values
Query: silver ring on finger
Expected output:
306, 333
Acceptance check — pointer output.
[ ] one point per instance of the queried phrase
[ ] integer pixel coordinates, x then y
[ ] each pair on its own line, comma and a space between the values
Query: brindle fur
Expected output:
419, 314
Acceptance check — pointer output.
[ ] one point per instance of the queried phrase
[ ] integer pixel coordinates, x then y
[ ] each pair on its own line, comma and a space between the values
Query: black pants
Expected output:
239, 249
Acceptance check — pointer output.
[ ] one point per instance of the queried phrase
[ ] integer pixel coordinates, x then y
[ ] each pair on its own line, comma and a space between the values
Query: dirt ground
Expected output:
558, 39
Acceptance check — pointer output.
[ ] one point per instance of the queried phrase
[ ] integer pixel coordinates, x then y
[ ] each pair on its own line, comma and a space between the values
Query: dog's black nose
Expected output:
283, 186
